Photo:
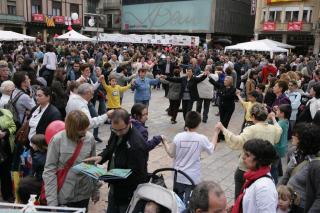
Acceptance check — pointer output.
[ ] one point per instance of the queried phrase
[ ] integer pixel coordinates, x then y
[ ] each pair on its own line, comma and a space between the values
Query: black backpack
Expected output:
11, 106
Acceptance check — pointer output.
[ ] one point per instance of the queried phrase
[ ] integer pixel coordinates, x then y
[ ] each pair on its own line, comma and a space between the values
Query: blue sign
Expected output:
190, 16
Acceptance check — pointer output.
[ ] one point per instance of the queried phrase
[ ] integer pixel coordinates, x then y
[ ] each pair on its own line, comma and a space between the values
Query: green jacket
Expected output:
282, 146
7, 124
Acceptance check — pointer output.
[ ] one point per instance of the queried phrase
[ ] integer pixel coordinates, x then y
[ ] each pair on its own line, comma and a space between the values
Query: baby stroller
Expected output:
155, 190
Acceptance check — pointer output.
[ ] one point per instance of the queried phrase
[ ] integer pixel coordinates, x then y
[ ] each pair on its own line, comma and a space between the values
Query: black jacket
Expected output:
131, 154
313, 188
49, 115
227, 95
163, 66
192, 85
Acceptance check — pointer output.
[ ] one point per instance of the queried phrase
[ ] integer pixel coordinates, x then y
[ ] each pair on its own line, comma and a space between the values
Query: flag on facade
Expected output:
67, 20
50, 22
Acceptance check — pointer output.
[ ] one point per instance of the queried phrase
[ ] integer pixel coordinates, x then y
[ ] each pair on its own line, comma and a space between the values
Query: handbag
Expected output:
62, 173
23, 132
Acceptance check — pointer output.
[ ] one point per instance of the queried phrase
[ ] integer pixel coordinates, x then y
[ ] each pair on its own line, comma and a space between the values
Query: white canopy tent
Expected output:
278, 44
13, 36
259, 46
74, 36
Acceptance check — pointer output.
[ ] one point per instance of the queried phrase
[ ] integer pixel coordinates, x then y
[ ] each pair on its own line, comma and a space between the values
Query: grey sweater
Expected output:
77, 186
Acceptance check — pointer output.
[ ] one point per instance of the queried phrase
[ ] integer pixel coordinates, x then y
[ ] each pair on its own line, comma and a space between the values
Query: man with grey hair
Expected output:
80, 102
207, 196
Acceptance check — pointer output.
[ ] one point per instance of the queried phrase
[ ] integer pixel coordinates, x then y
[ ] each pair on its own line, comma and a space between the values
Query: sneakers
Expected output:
173, 122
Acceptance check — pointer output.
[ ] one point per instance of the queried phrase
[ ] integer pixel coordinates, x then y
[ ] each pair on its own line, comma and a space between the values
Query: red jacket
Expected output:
266, 70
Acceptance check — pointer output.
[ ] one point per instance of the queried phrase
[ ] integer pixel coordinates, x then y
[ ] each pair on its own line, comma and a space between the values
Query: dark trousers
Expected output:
238, 182
114, 207
186, 107
225, 116
166, 89
174, 109
5, 179
48, 76
206, 106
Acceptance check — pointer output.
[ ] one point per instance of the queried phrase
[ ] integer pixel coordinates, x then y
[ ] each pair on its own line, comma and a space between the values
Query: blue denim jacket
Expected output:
142, 88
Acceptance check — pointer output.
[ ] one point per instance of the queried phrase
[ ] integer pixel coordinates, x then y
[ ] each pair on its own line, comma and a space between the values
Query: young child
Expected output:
260, 88
113, 91
247, 105
186, 149
283, 113
152, 207
32, 184
286, 197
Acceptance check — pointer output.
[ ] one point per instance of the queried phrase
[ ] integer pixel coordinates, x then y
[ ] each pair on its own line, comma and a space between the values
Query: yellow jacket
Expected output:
113, 94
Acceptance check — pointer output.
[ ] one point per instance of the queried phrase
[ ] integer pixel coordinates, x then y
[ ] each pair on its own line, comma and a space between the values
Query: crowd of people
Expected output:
83, 84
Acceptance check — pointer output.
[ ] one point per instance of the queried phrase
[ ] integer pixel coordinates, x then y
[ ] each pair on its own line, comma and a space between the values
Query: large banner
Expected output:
174, 16
277, 1
176, 40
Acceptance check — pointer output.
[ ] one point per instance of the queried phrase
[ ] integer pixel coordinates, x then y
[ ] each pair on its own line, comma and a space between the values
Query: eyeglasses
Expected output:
118, 130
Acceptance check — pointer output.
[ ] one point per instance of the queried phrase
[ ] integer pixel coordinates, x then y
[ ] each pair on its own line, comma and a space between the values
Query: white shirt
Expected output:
261, 197
188, 146
76, 102
34, 120
50, 60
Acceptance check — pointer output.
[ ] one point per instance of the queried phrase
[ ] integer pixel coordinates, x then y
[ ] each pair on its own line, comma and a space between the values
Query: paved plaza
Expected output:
218, 167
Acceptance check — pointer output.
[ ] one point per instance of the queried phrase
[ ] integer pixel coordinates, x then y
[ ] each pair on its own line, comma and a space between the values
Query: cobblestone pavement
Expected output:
218, 167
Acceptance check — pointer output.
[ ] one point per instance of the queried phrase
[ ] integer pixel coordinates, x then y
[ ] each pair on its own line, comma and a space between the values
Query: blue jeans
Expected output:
145, 102
93, 113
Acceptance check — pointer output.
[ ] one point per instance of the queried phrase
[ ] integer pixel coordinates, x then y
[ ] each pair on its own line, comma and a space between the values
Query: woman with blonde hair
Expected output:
73, 144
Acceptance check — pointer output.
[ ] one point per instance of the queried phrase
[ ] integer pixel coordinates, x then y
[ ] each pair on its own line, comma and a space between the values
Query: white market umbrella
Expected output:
74, 36
13, 36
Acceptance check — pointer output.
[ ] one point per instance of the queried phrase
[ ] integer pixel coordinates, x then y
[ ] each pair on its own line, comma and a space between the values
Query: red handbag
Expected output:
62, 173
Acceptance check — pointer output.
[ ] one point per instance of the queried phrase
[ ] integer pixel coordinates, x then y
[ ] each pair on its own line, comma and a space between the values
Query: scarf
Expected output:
251, 177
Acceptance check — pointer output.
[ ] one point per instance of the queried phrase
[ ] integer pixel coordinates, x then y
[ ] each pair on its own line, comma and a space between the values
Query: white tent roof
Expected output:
278, 44
260, 46
13, 36
74, 36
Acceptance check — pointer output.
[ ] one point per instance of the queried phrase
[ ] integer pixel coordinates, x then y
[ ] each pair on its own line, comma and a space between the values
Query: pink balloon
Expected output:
53, 128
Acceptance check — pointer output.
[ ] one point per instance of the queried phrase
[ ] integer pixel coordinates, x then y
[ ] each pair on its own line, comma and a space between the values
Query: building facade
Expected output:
41, 18
294, 22
12, 16
202, 17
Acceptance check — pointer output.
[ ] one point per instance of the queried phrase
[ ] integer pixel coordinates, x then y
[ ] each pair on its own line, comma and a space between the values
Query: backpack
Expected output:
12, 108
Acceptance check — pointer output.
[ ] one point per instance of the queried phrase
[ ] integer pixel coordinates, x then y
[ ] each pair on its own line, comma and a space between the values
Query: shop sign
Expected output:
269, 26
38, 17
190, 16
76, 22
59, 19
295, 26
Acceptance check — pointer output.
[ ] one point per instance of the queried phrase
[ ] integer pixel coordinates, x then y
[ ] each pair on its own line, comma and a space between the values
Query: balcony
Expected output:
111, 5
283, 27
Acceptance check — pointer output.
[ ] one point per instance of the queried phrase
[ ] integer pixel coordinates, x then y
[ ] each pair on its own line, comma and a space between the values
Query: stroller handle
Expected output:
175, 174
